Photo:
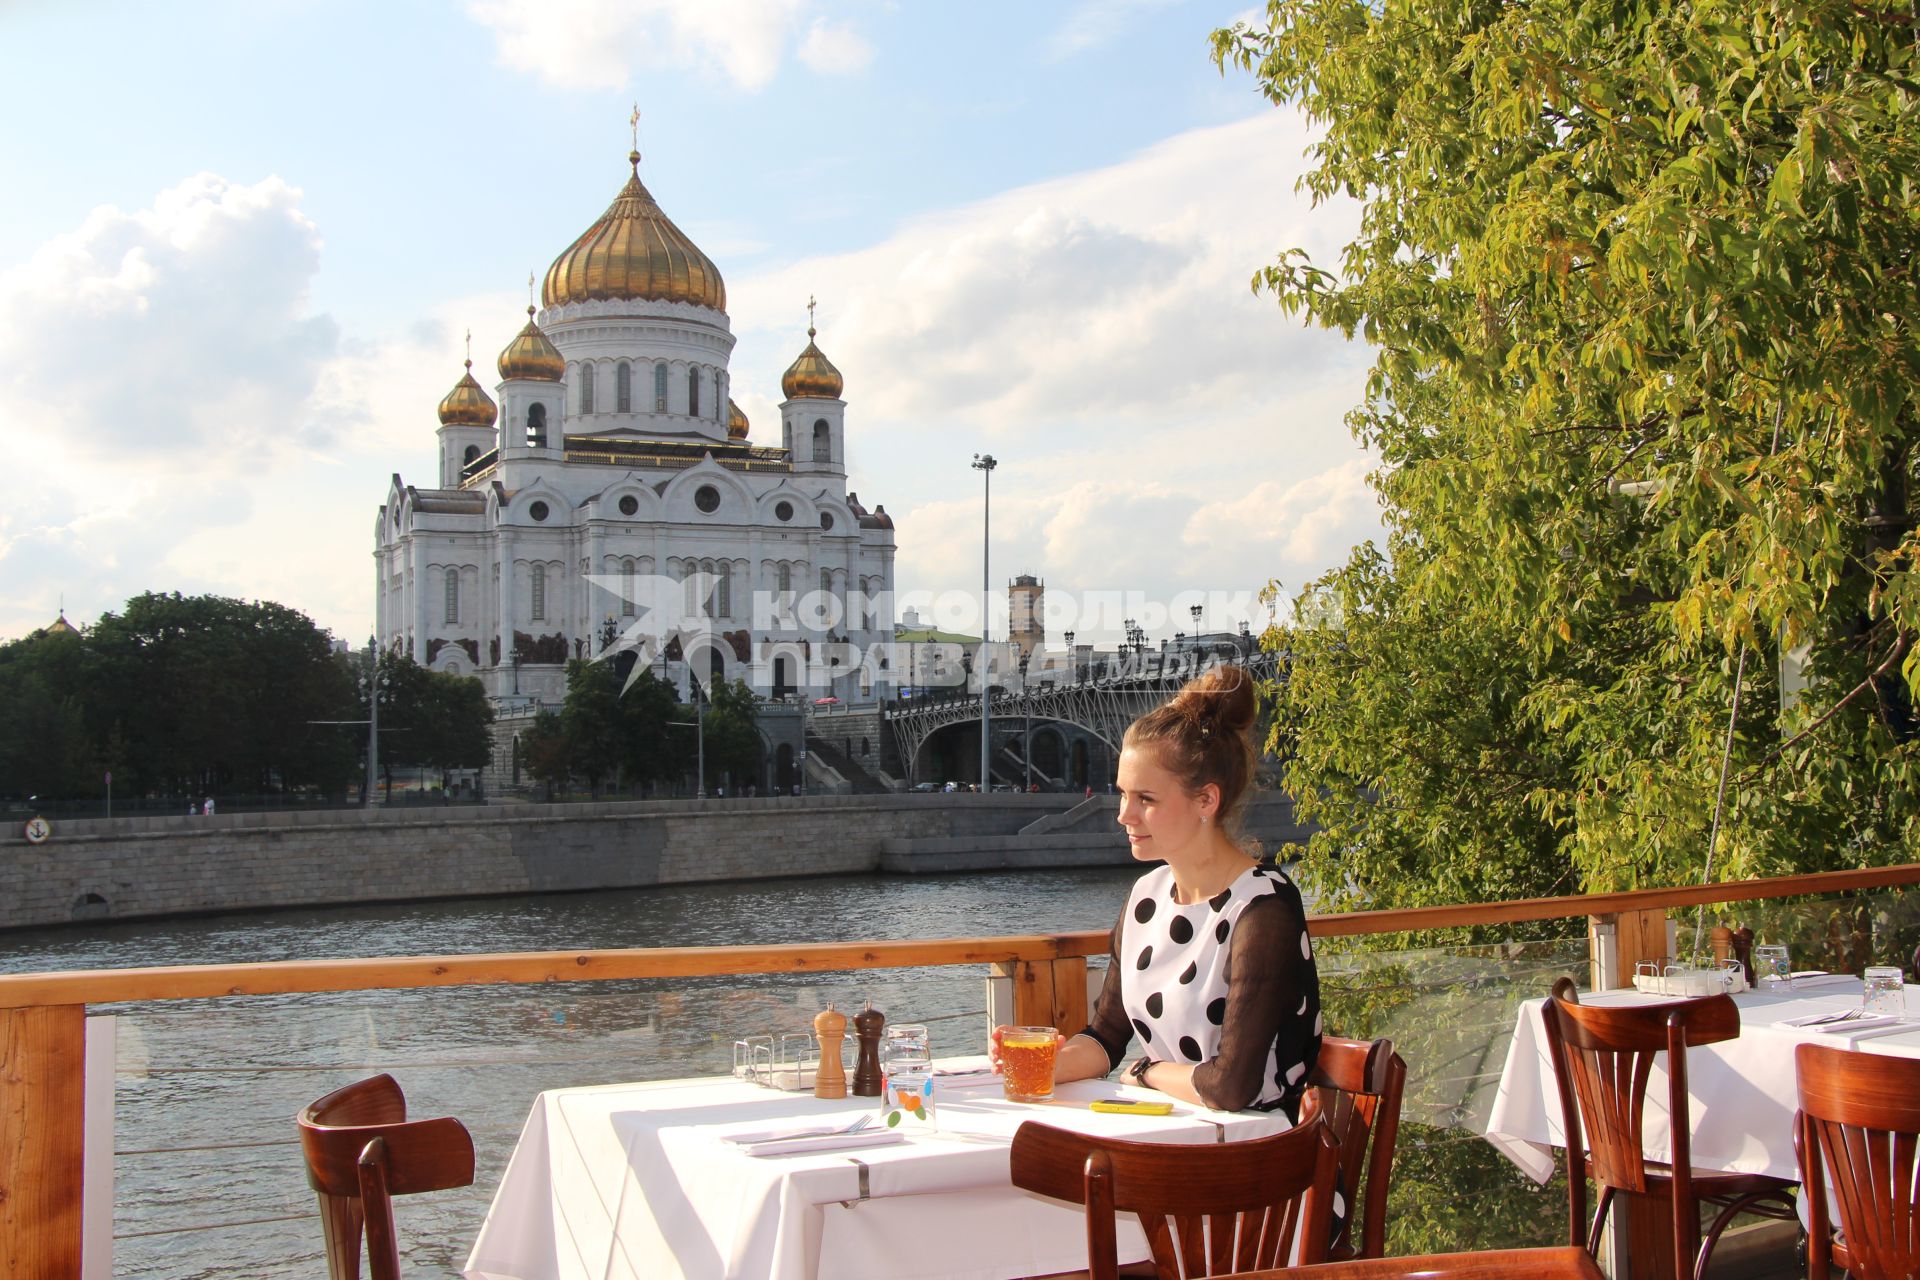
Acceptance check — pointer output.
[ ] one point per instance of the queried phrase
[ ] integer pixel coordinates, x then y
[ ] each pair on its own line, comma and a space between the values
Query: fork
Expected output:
1847, 1016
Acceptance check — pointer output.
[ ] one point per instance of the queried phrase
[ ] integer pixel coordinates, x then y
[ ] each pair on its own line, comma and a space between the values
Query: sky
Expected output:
240, 244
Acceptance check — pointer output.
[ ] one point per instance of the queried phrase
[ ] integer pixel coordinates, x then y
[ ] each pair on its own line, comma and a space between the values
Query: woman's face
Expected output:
1162, 819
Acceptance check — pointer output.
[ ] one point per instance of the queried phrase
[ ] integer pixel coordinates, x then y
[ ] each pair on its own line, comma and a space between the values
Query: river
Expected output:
209, 1181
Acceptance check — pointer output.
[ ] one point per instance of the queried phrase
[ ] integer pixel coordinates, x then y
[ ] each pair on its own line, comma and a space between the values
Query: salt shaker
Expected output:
866, 1071
830, 1078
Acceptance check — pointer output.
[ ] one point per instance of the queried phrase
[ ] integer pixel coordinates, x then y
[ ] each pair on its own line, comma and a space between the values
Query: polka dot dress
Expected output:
1174, 985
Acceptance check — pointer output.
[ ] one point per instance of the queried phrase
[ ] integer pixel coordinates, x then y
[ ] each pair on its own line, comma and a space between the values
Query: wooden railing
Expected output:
42, 1015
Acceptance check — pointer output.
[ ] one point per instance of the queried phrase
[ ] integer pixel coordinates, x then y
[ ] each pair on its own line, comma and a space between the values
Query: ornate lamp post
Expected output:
1026, 713
1195, 611
1073, 666
984, 463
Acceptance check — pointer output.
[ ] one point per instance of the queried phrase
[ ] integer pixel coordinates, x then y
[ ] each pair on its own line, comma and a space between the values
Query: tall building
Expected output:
610, 460
1026, 615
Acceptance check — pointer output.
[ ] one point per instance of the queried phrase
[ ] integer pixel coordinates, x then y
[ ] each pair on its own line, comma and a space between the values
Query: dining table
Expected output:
1743, 1091
719, 1178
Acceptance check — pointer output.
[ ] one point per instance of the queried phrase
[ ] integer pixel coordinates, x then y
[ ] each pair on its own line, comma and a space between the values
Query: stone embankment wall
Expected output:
128, 868
1086, 835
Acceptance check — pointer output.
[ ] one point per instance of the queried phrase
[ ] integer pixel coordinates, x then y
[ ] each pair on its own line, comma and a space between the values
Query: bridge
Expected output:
1102, 701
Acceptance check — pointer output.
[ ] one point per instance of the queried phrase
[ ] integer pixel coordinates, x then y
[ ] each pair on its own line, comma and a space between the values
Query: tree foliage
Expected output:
733, 743
431, 718
178, 695
1640, 280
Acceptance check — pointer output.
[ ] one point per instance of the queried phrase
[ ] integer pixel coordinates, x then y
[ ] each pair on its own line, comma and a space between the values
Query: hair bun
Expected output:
1219, 701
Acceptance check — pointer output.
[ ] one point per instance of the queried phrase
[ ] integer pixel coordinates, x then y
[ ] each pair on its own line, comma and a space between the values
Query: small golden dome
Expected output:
530, 355
634, 251
736, 421
467, 405
812, 376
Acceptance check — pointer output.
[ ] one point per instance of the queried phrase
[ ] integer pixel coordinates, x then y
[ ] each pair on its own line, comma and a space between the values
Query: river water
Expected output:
209, 1181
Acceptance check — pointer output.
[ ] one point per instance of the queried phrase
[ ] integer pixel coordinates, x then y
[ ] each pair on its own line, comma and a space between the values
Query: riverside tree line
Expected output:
182, 697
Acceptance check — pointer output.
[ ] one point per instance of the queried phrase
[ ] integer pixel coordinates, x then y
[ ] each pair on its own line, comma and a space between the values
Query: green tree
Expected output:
46, 744
1641, 286
430, 718
547, 753
193, 694
592, 717
653, 746
733, 741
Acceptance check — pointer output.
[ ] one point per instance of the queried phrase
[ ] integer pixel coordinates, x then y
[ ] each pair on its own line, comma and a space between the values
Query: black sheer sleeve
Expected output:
1110, 1025
1273, 1001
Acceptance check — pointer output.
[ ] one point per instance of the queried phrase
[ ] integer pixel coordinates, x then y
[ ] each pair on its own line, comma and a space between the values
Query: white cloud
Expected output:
1094, 22
185, 421
835, 48
1160, 428
600, 44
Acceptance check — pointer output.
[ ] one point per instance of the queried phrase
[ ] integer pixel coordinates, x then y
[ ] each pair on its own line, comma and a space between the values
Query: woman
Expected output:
1211, 965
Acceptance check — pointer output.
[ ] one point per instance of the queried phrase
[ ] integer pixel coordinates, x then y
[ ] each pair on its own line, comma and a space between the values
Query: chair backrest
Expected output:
1497, 1264
1604, 1057
1207, 1208
361, 1150
1859, 1126
1357, 1087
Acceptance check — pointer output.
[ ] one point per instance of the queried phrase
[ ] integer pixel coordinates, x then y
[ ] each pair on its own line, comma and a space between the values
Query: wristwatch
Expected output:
1139, 1071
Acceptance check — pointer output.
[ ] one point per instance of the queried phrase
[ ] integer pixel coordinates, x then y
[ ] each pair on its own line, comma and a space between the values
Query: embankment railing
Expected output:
43, 1033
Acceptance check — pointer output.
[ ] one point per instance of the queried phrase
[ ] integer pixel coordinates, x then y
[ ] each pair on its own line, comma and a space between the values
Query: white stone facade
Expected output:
498, 556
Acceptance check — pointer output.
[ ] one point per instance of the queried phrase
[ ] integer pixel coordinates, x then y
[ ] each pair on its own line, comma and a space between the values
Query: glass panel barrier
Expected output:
208, 1172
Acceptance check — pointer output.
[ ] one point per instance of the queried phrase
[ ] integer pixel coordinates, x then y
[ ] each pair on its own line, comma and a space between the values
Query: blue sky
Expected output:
242, 241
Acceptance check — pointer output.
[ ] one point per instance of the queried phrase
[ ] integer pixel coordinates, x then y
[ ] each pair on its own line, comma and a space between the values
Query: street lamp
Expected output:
984, 463
1195, 611
1026, 713
516, 671
1073, 668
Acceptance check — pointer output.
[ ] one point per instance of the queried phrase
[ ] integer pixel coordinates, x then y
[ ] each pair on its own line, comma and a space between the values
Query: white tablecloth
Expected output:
1743, 1090
632, 1182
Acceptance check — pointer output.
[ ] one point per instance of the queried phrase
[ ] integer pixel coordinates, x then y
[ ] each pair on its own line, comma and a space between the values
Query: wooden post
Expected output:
42, 1107
1048, 993
1637, 935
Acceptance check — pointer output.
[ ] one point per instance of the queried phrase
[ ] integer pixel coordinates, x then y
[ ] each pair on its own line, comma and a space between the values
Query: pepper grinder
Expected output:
1743, 951
830, 1077
866, 1070
1722, 943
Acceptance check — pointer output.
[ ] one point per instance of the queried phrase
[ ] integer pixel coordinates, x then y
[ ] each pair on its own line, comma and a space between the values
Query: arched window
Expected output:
623, 388
693, 393
586, 386
786, 578
453, 596
538, 581
724, 593
822, 441
628, 572
537, 426
473, 451
660, 387
826, 582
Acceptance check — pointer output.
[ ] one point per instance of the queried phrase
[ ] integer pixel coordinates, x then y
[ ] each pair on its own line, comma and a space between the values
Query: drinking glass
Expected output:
1026, 1062
1884, 991
906, 1069
1774, 966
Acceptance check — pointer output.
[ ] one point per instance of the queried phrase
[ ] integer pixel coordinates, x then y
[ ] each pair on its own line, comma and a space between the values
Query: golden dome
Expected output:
634, 251
530, 355
467, 405
812, 376
736, 421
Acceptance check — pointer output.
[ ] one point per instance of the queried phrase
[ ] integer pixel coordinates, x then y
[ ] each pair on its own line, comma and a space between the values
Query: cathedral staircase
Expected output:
859, 781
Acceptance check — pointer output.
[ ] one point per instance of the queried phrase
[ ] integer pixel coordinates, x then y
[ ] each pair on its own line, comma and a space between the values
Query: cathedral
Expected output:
610, 460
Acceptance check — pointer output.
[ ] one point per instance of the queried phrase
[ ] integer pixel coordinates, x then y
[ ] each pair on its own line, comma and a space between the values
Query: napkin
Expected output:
777, 1142
1852, 1024
1820, 978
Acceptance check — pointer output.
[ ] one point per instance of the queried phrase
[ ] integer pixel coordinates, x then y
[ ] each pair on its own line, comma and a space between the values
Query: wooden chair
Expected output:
1564, 1263
361, 1151
1604, 1056
1357, 1086
1207, 1209
1856, 1130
